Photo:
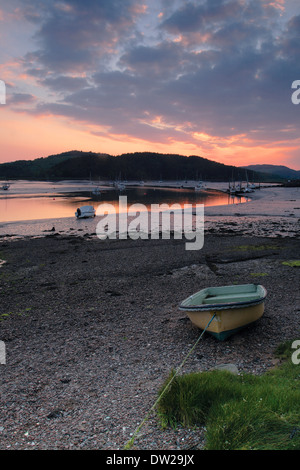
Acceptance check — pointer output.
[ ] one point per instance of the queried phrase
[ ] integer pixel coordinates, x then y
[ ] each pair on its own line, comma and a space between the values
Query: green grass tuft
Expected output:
259, 274
254, 248
294, 263
240, 412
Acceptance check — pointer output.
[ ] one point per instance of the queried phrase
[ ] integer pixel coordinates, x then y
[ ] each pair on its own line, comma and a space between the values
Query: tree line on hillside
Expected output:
131, 166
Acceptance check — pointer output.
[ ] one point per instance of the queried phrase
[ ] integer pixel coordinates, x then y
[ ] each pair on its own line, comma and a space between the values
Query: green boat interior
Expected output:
225, 295
229, 298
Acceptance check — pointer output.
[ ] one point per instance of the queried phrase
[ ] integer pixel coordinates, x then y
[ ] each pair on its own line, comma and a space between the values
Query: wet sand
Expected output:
266, 202
92, 328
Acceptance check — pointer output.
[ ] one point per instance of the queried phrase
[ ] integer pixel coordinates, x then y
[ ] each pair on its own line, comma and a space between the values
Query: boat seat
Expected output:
227, 298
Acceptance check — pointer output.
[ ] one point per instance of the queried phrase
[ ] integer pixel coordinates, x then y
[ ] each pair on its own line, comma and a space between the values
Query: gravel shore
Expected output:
92, 329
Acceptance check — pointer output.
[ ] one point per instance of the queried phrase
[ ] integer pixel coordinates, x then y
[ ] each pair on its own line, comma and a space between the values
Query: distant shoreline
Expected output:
277, 203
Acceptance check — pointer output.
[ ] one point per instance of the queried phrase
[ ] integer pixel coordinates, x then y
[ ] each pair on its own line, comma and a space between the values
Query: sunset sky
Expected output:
209, 77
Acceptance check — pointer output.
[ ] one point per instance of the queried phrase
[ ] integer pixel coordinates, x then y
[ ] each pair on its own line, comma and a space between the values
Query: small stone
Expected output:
55, 414
228, 367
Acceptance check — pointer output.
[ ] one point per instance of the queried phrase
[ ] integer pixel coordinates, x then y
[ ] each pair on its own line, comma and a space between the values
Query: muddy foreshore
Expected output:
92, 329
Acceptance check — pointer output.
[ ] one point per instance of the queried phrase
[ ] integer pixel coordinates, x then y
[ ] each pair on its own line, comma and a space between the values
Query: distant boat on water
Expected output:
200, 186
85, 212
5, 186
231, 189
96, 191
119, 186
249, 188
238, 189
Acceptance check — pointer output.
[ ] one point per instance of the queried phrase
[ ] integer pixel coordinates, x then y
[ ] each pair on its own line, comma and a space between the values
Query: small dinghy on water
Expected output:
234, 307
84, 212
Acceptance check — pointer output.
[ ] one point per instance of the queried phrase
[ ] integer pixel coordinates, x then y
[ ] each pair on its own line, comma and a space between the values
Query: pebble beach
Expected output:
92, 327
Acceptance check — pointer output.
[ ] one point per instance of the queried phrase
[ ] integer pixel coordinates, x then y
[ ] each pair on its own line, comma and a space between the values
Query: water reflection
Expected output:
23, 207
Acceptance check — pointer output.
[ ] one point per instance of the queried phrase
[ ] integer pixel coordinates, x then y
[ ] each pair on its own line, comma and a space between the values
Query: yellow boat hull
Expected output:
226, 322
234, 308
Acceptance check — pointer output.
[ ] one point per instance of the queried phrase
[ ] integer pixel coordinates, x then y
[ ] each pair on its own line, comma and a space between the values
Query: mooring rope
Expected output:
136, 432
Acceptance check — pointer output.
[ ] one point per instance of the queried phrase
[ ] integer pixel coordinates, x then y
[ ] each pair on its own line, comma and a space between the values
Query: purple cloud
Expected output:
221, 67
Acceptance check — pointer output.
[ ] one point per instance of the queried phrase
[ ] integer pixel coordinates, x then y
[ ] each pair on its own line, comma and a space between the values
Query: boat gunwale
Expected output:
223, 306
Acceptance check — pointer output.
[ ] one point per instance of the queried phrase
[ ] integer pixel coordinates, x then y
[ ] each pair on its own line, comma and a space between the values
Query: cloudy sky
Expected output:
204, 77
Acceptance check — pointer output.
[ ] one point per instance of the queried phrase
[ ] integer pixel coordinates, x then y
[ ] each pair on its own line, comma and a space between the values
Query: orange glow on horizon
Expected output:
28, 137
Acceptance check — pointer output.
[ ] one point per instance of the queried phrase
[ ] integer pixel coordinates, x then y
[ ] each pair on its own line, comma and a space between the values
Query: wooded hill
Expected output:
131, 166
280, 171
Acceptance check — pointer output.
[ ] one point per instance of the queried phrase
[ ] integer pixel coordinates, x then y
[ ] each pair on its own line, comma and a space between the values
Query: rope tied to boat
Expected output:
136, 432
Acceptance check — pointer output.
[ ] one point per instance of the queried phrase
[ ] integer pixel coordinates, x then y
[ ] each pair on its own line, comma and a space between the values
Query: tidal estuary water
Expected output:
30, 207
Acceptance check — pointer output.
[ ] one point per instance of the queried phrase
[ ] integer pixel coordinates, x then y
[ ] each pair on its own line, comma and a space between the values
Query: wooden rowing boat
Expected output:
234, 307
